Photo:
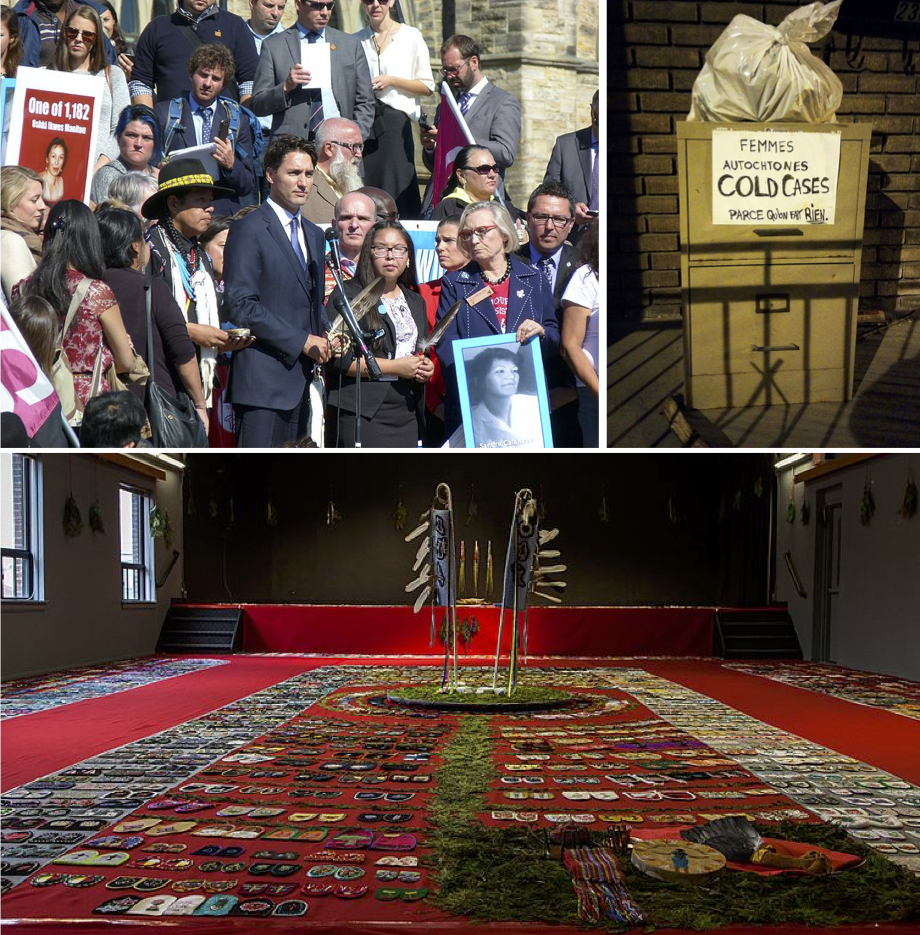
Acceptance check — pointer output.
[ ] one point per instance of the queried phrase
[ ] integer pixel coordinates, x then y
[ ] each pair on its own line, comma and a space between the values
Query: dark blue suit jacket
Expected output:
267, 291
239, 178
528, 297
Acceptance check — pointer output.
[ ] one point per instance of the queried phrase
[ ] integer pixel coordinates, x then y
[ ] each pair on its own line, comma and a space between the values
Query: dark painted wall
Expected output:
682, 529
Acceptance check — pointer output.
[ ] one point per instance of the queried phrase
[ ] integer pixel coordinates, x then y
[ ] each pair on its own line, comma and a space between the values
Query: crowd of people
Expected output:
200, 257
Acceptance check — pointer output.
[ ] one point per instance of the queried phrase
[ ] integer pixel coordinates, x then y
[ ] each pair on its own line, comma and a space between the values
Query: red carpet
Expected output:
885, 740
77, 731
37, 744
81, 730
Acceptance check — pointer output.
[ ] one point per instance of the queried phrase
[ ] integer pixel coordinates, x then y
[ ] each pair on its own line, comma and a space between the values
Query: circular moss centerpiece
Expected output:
468, 698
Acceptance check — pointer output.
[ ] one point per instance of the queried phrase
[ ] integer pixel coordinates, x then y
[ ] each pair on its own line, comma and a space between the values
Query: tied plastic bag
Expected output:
764, 73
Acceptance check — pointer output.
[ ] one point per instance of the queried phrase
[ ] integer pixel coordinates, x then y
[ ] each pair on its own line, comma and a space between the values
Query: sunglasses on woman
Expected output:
482, 170
89, 37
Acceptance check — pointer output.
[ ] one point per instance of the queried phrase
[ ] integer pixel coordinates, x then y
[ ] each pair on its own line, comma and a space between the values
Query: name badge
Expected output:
483, 293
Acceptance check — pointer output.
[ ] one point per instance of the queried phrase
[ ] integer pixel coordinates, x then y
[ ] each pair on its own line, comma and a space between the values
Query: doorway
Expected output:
828, 509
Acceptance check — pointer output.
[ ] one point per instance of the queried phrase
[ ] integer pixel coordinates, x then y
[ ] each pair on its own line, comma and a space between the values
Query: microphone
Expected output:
340, 303
335, 257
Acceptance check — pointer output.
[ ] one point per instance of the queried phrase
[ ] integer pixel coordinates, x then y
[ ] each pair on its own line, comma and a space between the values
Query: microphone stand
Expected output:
358, 337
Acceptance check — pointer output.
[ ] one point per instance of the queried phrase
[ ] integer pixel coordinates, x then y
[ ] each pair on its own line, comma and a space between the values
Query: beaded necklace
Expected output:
500, 280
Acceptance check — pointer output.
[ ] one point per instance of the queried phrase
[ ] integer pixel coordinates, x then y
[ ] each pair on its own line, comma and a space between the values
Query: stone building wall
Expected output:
547, 56
656, 49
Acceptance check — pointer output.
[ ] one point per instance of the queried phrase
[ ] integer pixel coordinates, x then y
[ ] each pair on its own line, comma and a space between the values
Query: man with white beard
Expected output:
338, 148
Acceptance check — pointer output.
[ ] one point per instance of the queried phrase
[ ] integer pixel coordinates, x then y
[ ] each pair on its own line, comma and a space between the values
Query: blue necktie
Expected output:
295, 243
546, 264
465, 100
205, 114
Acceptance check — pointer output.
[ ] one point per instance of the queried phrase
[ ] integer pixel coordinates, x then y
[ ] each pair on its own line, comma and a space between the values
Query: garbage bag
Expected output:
767, 73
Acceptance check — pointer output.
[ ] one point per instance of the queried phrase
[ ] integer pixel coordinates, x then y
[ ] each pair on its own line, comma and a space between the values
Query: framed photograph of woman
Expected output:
503, 396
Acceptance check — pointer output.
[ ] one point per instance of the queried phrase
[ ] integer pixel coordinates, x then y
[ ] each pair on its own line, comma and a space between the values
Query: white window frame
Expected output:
33, 553
138, 584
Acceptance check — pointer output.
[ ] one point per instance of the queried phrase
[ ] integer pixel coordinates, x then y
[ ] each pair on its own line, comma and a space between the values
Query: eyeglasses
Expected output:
380, 251
312, 5
555, 219
455, 69
479, 233
356, 148
482, 170
89, 37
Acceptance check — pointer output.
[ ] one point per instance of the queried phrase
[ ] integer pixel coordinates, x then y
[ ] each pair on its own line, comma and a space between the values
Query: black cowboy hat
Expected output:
179, 176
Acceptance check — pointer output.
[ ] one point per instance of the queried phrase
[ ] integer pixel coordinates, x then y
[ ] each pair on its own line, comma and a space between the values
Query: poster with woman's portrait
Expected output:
7, 87
503, 395
54, 120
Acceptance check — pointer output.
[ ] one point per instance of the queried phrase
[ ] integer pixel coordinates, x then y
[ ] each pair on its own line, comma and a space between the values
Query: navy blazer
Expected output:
528, 297
239, 178
267, 291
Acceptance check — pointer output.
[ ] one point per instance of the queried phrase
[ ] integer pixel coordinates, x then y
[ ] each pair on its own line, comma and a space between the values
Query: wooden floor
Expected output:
645, 368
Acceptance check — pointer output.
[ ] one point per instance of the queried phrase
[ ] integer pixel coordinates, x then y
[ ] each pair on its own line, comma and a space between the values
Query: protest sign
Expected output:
54, 123
774, 176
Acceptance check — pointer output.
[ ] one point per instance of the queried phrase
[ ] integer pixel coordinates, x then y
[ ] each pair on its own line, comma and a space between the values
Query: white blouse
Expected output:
404, 328
405, 57
584, 290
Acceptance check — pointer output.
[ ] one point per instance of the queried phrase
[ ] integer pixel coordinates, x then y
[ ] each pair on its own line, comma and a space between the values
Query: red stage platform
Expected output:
552, 631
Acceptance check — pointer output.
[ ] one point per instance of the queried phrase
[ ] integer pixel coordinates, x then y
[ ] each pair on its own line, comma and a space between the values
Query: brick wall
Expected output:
656, 49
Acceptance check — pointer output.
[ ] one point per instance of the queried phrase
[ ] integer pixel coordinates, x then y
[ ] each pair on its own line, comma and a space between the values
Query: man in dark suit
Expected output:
492, 115
550, 213
273, 266
201, 114
573, 164
279, 88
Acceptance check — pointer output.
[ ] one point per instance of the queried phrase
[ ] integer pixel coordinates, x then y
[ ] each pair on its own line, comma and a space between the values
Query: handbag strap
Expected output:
148, 281
75, 302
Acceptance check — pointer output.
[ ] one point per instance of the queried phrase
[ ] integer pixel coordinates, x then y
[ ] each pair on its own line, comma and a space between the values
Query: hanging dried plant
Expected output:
95, 517
158, 523
332, 511
909, 506
867, 504
467, 628
790, 511
472, 507
400, 514
271, 514
673, 515
73, 521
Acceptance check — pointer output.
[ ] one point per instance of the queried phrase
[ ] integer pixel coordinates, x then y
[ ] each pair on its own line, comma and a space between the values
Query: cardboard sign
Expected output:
53, 128
776, 177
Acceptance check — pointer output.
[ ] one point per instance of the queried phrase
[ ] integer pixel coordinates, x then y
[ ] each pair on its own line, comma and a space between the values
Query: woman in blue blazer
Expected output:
499, 294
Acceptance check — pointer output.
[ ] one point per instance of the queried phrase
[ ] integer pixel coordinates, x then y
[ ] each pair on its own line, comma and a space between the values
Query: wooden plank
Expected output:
132, 463
831, 467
